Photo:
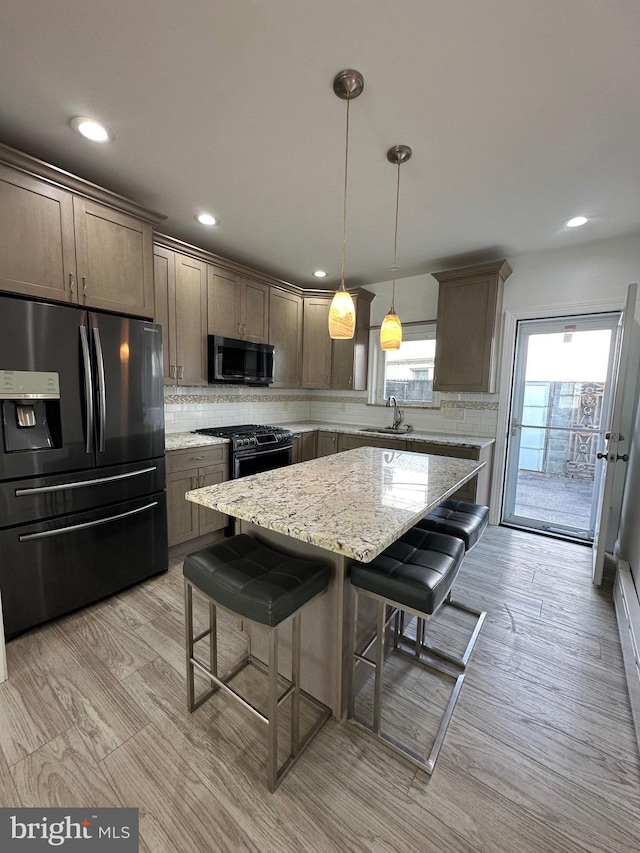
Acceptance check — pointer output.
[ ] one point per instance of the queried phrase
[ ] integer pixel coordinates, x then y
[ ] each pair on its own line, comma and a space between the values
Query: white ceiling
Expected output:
520, 114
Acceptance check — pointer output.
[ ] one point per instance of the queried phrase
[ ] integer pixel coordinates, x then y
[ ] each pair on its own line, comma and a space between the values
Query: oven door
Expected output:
256, 461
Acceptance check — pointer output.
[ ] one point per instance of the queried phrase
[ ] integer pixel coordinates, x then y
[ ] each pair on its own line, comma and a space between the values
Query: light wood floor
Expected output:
540, 756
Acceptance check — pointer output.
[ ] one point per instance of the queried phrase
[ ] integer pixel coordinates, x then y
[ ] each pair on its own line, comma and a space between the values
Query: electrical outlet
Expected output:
454, 414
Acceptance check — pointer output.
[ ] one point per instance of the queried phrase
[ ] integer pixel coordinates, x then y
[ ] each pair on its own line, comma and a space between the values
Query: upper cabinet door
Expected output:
255, 313
316, 343
114, 255
468, 327
285, 335
224, 303
164, 276
37, 256
191, 320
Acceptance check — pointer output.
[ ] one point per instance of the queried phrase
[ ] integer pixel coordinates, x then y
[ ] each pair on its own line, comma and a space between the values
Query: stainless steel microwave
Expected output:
239, 362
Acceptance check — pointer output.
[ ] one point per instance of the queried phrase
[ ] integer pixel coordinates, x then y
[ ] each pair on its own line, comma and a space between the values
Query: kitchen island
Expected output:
339, 508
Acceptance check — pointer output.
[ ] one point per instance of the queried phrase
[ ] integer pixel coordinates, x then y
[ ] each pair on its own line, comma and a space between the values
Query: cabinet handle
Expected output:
180, 372
71, 282
244, 328
84, 285
201, 480
194, 482
193, 458
172, 371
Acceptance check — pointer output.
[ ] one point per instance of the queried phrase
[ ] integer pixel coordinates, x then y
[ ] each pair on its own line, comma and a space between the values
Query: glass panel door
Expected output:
560, 400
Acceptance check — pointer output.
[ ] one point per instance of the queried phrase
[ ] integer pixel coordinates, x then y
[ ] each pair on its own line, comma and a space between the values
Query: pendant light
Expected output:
347, 85
391, 329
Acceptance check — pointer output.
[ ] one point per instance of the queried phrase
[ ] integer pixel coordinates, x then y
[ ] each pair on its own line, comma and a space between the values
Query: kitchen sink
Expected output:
389, 430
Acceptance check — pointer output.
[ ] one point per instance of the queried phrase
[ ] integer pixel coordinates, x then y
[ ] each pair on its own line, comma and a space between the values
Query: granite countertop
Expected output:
185, 440
433, 438
182, 440
354, 503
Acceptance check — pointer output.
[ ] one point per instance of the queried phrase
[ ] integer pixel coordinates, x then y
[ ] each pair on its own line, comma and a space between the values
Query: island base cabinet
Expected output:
476, 490
194, 469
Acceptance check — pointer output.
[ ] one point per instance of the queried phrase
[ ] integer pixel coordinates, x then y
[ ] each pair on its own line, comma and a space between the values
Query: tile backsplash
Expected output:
187, 409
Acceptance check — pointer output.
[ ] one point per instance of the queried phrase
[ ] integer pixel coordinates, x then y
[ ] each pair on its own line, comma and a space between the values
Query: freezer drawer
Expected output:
53, 567
22, 501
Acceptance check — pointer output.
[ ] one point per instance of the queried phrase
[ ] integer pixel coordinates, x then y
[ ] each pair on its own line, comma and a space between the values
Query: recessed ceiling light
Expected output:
576, 222
206, 219
320, 274
91, 129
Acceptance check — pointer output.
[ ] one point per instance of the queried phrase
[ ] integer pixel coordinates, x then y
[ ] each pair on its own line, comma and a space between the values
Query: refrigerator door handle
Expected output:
88, 387
40, 490
25, 537
102, 390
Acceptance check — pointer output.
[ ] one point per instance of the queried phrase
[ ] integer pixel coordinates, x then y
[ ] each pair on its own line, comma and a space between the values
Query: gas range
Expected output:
247, 437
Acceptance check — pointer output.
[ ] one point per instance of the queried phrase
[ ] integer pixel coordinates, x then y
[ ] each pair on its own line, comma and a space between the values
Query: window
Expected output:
407, 373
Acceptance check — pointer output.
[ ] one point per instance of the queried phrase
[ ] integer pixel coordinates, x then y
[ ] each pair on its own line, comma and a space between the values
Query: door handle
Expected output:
624, 457
102, 389
515, 423
88, 388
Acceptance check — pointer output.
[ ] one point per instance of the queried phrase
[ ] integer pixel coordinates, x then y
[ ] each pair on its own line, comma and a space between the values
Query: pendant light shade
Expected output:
391, 332
347, 85
342, 316
391, 329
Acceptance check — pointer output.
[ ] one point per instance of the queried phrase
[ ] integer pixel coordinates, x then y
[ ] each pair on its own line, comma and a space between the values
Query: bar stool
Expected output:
462, 519
263, 586
414, 575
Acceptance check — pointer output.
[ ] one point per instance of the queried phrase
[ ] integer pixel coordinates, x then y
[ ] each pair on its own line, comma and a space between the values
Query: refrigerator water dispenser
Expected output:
30, 410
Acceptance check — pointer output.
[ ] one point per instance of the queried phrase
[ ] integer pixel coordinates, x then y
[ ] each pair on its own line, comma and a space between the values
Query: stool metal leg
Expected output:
188, 626
377, 691
406, 750
272, 712
295, 678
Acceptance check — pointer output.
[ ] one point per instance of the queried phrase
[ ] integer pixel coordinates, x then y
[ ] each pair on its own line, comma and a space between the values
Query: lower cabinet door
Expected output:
182, 515
210, 520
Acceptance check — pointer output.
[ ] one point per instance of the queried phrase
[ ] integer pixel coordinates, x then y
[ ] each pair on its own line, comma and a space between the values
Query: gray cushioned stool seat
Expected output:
253, 580
416, 571
462, 519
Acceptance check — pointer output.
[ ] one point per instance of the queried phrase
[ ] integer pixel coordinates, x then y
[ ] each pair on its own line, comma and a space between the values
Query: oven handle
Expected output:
249, 453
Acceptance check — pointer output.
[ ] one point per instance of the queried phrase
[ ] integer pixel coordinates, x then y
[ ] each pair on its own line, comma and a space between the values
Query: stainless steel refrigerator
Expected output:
82, 474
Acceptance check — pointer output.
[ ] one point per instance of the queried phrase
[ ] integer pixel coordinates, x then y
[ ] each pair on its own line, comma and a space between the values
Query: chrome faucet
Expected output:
397, 413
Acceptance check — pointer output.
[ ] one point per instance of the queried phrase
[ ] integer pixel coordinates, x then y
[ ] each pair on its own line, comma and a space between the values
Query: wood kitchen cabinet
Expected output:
349, 358
316, 343
327, 443
285, 334
192, 469
478, 488
305, 446
237, 307
341, 365
57, 245
181, 309
114, 258
468, 327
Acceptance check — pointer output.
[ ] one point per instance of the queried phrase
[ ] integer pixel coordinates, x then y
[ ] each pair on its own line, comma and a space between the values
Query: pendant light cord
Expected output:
395, 245
344, 207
